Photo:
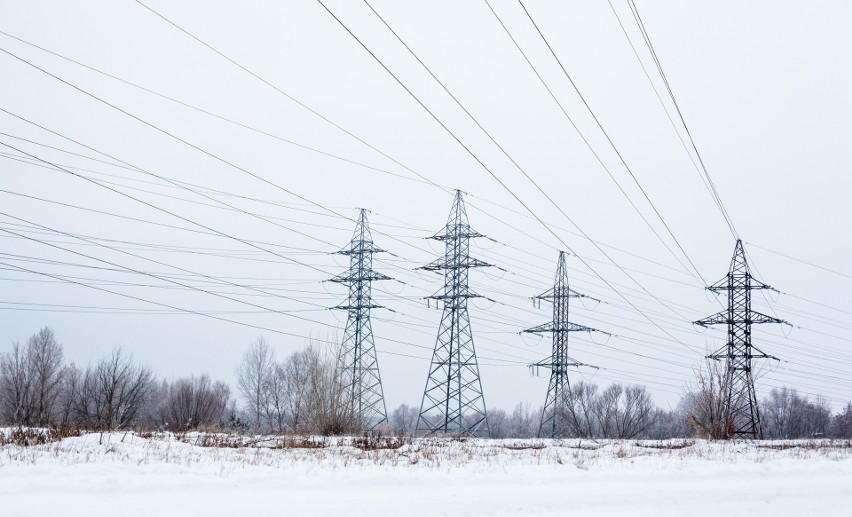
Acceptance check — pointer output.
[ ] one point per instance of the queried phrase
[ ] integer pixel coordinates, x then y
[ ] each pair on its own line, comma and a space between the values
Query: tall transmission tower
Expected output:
357, 364
554, 417
741, 399
452, 400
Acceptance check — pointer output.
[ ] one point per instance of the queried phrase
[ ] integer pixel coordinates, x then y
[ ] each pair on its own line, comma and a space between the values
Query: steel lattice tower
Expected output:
452, 400
554, 416
738, 352
358, 366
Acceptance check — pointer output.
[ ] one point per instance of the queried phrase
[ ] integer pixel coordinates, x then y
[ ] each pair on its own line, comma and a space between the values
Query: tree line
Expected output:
301, 393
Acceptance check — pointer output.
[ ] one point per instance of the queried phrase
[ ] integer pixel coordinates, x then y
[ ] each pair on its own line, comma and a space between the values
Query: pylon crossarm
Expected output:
358, 306
757, 317
451, 235
757, 353
552, 294
578, 364
721, 285
720, 318
357, 249
550, 327
353, 278
720, 354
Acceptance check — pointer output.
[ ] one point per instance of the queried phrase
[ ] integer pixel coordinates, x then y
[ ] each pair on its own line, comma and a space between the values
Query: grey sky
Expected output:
764, 87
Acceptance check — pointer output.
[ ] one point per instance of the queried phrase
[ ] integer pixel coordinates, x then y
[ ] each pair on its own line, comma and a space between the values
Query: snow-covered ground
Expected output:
125, 474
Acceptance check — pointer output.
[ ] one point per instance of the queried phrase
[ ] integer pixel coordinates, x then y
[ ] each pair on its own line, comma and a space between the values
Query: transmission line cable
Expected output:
609, 139
493, 175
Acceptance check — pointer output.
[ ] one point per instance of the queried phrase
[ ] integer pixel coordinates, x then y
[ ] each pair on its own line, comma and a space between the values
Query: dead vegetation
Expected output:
669, 446
31, 436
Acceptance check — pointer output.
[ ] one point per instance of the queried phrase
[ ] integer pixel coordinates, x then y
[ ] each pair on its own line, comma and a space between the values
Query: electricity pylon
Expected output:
554, 417
452, 400
360, 383
741, 399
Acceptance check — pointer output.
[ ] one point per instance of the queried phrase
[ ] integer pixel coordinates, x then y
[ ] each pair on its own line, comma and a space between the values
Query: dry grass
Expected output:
669, 446
32, 436
515, 447
234, 451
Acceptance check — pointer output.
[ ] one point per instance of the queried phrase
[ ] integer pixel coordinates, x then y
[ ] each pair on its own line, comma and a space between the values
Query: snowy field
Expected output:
200, 474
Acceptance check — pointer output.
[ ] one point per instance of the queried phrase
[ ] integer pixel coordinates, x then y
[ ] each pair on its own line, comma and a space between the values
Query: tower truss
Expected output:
360, 382
452, 400
741, 400
555, 415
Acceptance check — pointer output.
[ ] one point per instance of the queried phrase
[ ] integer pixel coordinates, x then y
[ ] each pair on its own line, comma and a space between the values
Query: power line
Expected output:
612, 144
587, 143
703, 177
716, 195
502, 184
211, 113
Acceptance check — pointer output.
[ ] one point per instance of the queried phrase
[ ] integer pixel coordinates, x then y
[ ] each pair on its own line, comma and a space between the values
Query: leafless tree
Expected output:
253, 376
841, 424
45, 362
498, 423
706, 404
582, 404
69, 389
275, 398
605, 410
112, 393
671, 424
523, 422
786, 414
31, 380
404, 419
194, 402
296, 371
15, 386
328, 412
625, 412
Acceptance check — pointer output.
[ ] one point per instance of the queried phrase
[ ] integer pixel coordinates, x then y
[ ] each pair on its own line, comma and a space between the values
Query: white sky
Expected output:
764, 87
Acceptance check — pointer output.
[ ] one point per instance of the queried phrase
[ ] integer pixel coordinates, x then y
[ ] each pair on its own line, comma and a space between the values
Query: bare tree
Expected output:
707, 404
582, 404
329, 414
112, 393
786, 414
275, 397
634, 413
671, 424
193, 402
296, 373
45, 358
31, 380
15, 386
69, 390
404, 419
523, 422
841, 424
253, 377
498, 423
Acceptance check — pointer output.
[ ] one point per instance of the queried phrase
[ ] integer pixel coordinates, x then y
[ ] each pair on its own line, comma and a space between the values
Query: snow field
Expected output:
164, 474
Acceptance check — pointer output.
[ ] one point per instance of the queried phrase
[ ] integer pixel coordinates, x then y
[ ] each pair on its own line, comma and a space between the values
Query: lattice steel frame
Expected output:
738, 352
554, 416
360, 382
452, 400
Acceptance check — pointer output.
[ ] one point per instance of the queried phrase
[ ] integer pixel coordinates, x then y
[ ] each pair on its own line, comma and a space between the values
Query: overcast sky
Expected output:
257, 202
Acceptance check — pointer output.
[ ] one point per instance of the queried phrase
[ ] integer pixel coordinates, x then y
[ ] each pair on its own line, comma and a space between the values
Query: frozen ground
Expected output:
124, 474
